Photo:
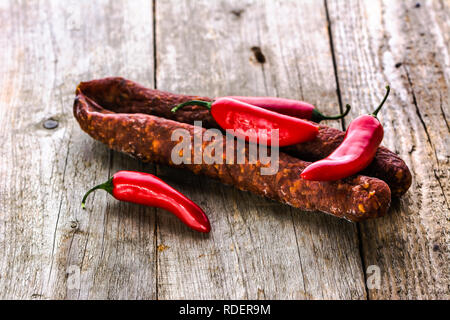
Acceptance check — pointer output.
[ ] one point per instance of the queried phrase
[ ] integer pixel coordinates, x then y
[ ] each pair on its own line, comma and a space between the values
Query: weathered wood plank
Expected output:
257, 248
45, 237
404, 45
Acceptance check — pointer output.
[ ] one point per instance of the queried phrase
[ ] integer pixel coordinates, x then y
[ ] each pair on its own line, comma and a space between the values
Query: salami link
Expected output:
117, 120
386, 165
124, 96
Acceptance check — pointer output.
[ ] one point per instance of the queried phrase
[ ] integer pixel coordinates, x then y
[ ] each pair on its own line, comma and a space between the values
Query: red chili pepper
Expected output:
148, 190
355, 153
289, 107
249, 122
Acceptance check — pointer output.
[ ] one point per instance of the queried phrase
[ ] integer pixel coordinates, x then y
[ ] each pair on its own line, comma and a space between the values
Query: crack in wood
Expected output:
419, 115
338, 91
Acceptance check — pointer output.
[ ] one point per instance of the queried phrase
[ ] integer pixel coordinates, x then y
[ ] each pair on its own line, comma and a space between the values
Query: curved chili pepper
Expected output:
289, 107
355, 153
148, 190
255, 124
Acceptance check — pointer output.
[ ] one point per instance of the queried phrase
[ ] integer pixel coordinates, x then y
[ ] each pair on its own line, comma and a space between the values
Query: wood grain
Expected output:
326, 52
48, 47
401, 44
257, 248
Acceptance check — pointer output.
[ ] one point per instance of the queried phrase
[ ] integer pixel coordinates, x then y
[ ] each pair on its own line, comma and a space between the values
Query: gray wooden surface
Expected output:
326, 52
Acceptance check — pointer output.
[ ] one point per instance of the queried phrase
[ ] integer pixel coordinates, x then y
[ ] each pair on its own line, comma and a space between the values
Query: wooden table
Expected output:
326, 52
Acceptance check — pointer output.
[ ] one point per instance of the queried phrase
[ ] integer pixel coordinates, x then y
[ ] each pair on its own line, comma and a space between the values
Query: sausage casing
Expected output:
124, 96
149, 138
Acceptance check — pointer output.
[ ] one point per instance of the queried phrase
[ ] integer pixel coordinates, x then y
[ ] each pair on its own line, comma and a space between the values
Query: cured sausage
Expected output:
124, 96
386, 165
114, 115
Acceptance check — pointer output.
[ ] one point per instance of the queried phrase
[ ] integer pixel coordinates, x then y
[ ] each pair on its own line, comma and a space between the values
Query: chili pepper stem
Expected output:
205, 104
388, 90
317, 116
107, 186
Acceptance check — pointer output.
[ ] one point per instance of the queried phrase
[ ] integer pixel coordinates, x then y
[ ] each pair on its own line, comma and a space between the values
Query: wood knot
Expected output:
237, 12
259, 56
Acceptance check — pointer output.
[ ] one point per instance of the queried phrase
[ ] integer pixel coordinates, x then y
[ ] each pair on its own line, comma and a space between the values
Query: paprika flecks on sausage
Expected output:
290, 107
256, 124
149, 139
120, 95
355, 153
147, 189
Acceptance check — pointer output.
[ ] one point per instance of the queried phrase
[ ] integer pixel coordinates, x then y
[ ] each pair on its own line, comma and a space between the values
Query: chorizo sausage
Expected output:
149, 138
386, 165
122, 95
